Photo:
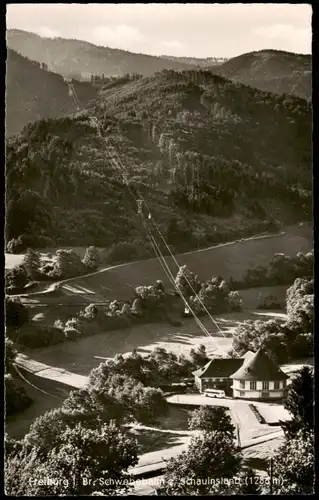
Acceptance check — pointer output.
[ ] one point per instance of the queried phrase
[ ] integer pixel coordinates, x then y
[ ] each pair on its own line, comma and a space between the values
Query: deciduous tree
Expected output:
210, 459
211, 419
300, 403
86, 460
91, 258
31, 263
294, 466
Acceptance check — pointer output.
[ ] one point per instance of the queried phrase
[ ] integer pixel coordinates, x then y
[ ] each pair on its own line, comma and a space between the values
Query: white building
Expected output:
254, 376
259, 378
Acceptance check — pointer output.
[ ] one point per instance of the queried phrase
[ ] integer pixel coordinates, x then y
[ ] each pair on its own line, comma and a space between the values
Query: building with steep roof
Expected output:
216, 371
254, 376
259, 377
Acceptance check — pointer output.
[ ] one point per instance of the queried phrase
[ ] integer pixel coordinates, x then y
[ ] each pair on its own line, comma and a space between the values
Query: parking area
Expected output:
242, 415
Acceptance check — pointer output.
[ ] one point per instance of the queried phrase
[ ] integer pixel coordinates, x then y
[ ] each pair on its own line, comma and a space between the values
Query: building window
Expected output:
253, 386
276, 384
241, 394
265, 394
242, 384
284, 383
265, 386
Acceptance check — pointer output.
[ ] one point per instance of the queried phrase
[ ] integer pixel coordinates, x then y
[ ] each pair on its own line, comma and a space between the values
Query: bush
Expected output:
16, 313
37, 336
10, 355
67, 264
91, 258
32, 264
16, 245
269, 302
187, 282
16, 399
235, 301
89, 312
59, 325
281, 270
127, 252
16, 278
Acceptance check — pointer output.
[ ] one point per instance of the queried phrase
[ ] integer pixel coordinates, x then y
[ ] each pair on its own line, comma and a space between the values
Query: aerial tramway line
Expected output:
140, 203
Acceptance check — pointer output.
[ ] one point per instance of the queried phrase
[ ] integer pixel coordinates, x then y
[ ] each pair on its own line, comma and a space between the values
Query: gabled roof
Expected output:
220, 367
259, 367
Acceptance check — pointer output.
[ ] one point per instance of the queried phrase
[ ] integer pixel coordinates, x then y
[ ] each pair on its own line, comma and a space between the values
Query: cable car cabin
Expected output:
186, 312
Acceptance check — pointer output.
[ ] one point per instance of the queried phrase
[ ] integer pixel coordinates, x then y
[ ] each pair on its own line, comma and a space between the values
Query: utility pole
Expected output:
238, 436
271, 477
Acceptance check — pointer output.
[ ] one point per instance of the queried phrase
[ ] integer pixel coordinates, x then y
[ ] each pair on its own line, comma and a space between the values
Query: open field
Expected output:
64, 303
230, 259
79, 356
65, 299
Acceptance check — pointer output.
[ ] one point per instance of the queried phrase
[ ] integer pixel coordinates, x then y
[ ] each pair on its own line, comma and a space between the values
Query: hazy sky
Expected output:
199, 30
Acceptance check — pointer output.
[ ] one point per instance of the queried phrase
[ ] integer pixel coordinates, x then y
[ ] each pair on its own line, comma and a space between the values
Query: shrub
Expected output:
37, 336
16, 245
31, 263
16, 313
16, 278
59, 325
67, 264
187, 282
10, 355
90, 312
235, 301
16, 399
91, 258
127, 252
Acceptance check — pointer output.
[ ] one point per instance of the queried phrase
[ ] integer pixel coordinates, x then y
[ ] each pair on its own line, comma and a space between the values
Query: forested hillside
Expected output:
34, 93
271, 71
79, 59
197, 61
199, 147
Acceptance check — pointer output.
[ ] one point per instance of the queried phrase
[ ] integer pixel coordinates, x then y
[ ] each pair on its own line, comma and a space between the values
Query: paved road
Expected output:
242, 414
156, 460
52, 373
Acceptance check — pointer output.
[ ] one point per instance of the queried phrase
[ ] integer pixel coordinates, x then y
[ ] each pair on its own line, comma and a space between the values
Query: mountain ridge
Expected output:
269, 70
85, 63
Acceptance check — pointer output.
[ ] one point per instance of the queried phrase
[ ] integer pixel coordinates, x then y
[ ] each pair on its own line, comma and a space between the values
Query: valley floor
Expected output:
83, 355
